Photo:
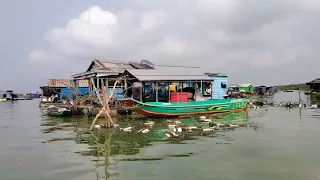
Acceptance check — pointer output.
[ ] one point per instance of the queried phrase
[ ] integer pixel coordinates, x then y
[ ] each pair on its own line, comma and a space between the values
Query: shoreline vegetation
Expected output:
302, 87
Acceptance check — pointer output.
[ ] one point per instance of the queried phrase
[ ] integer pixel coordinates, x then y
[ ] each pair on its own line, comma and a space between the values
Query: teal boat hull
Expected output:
175, 109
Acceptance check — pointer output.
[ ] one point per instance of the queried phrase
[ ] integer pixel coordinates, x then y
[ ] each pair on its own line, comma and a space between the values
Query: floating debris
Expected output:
144, 131
149, 123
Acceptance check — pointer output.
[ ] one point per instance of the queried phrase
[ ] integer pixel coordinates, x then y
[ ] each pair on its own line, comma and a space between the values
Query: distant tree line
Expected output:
303, 87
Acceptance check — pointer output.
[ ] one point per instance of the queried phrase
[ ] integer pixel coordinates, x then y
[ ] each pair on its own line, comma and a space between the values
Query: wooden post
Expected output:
126, 87
211, 90
106, 108
98, 82
156, 87
181, 86
169, 99
97, 93
201, 88
140, 91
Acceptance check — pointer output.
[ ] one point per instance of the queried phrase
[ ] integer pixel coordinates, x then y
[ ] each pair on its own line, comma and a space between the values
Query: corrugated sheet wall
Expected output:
218, 91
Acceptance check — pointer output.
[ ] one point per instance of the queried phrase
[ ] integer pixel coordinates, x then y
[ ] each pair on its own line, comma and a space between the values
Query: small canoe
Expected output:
60, 113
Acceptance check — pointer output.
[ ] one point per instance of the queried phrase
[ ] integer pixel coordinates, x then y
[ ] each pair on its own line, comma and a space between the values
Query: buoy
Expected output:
97, 126
207, 129
179, 129
233, 126
127, 129
192, 128
149, 123
177, 122
172, 126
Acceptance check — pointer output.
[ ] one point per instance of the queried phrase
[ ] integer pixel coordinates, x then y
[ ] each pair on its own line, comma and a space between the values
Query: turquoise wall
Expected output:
218, 90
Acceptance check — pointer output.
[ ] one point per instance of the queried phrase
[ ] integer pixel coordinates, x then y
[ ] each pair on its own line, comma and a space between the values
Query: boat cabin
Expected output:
169, 84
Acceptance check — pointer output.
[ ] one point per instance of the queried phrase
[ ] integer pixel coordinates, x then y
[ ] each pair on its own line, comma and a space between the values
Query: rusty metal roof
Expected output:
59, 83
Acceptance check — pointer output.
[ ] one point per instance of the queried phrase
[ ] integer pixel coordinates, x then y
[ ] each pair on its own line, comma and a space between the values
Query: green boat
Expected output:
175, 109
60, 112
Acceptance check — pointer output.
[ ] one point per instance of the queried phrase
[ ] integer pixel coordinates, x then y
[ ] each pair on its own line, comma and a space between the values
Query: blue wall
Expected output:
218, 90
67, 92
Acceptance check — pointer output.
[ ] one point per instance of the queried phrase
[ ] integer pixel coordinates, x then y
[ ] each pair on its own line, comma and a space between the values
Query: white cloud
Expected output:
93, 29
220, 35
38, 55
152, 20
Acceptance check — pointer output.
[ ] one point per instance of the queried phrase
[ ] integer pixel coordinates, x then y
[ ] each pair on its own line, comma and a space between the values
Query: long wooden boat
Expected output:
174, 109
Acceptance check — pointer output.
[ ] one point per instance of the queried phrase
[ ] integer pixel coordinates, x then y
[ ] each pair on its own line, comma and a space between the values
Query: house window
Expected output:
223, 85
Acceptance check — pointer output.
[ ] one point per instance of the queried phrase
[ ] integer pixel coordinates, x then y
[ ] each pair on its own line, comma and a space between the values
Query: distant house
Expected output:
247, 88
234, 88
62, 88
260, 90
270, 90
314, 85
220, 85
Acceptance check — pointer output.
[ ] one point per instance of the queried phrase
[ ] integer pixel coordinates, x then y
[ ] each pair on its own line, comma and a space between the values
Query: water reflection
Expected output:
105, 143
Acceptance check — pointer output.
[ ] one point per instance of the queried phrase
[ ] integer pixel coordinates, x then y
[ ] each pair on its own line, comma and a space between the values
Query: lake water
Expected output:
280, 144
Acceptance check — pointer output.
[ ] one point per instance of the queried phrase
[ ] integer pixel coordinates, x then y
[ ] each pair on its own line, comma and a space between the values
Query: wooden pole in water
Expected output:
181, 86
106, 108
96, 90
169, 89
156, 91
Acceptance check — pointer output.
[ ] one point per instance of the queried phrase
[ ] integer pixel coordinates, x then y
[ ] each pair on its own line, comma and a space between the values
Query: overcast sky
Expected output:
254, 41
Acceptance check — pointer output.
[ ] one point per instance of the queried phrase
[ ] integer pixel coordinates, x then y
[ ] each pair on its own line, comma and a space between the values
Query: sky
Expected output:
253, 41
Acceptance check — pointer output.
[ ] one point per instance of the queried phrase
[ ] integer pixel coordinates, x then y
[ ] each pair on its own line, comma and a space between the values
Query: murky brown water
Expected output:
281, 144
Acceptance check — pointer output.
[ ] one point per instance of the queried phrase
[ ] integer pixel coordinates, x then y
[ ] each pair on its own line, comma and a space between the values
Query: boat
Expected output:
176, 109
3, 99
56, 111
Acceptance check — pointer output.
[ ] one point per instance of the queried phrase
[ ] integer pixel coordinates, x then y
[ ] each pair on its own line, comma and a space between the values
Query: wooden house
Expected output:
314, 85
220, 85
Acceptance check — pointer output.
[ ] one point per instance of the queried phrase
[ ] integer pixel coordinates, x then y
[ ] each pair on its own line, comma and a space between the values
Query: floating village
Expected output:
108, 90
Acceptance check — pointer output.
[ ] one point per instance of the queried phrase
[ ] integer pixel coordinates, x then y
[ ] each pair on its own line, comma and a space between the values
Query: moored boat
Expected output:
174, 109
56, 111
3, 99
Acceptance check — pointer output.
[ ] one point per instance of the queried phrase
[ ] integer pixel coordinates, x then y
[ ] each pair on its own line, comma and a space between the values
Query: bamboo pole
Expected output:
96, 90
106, 108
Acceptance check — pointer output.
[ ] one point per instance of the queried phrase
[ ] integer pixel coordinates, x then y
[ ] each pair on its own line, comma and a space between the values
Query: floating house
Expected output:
270, 90
151, 85
260, 90
247, 88
62, 89
314, 85
220, 85
107, 72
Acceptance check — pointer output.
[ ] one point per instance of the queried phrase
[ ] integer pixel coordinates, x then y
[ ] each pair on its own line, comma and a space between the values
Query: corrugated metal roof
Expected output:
59, 83
245, 85
316, 81
217, 74
234, 85
170, 73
